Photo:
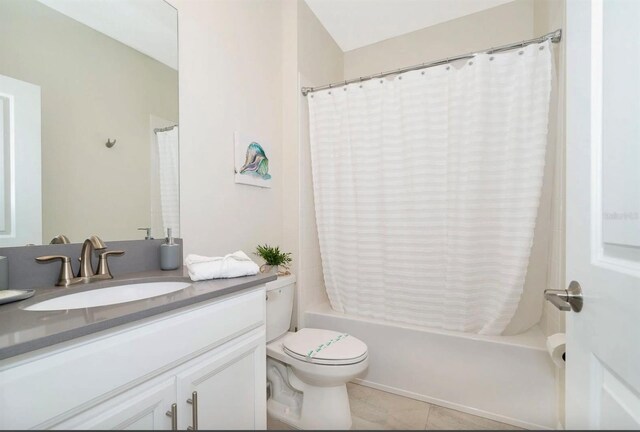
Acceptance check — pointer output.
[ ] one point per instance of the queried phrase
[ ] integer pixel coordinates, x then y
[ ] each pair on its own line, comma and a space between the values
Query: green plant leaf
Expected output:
272, 255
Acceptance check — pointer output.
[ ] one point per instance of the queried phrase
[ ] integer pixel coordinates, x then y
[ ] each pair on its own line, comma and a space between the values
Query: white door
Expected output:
20, 172
603, 213
225, 389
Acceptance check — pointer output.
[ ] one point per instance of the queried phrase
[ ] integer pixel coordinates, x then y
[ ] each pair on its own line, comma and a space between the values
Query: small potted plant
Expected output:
274, 259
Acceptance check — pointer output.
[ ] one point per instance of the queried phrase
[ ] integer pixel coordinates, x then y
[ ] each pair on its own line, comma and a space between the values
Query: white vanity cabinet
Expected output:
208, 359
222, 392
143, 407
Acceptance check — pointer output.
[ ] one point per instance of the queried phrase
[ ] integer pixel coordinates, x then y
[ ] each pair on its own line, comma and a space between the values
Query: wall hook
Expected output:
110, 143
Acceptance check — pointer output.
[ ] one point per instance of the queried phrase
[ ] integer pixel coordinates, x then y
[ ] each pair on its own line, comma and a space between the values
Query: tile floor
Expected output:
373, 409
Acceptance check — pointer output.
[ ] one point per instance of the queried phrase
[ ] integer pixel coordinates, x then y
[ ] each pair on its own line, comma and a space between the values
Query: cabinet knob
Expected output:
194, 410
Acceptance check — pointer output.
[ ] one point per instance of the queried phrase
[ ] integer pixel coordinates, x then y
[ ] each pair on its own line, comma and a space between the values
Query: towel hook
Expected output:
110, 143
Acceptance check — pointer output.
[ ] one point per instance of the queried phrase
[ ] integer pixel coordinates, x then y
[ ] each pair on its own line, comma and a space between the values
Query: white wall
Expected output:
548, 16
313, 59
491, 27
320, 60
231, 66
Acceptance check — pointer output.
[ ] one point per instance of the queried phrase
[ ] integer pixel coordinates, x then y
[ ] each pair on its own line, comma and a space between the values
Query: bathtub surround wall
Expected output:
231, 78
313, 59
550, 14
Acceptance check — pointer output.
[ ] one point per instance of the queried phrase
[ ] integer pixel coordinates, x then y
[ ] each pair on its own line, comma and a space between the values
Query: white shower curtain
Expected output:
427, 187
168, 170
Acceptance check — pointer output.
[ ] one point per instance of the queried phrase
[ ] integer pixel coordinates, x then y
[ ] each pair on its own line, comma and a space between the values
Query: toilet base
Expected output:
305, 406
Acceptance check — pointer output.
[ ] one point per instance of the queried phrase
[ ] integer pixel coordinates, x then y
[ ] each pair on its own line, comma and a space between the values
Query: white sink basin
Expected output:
109, 296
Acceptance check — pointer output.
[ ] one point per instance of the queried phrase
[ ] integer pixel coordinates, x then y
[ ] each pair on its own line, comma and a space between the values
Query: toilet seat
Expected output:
324, 347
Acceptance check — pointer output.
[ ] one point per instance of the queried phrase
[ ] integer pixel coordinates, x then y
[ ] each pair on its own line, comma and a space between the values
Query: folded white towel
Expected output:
229, 266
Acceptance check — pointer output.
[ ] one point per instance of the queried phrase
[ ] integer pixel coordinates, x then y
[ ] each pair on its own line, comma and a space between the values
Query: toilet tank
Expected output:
279, 306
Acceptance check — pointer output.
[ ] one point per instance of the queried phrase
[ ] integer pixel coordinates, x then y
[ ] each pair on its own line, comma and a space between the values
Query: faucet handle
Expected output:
103, 264
66, 273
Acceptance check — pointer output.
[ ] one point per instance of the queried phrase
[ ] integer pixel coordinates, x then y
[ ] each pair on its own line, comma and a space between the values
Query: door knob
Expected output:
566, 300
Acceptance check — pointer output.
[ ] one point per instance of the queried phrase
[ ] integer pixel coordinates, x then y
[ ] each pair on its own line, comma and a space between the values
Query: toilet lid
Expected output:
325, 347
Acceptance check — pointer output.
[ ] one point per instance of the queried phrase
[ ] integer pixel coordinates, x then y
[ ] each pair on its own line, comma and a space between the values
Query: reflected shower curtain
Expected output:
168, 160
427, 188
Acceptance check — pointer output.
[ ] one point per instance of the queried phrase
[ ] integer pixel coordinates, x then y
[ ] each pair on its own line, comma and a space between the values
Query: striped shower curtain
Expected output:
427, 187
168, 169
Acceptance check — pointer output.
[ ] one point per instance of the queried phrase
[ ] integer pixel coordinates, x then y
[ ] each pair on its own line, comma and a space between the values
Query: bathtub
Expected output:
505, 378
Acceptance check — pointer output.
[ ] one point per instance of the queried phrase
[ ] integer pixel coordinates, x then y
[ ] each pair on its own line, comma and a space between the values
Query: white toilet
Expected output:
307, 371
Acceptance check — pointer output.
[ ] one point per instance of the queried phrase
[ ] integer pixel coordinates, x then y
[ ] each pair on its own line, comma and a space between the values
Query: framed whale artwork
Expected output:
252, 165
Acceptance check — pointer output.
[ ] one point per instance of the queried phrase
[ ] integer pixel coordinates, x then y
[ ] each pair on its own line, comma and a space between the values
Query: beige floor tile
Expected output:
375, 409
448, 419
273, 424
358, 423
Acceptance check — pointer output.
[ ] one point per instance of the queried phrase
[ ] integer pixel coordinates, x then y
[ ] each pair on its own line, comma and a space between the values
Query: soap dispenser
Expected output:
170, 253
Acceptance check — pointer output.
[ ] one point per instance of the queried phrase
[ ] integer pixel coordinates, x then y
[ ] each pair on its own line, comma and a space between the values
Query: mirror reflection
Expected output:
88, 120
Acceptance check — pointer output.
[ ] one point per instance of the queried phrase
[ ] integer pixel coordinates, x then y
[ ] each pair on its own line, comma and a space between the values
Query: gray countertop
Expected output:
22, 331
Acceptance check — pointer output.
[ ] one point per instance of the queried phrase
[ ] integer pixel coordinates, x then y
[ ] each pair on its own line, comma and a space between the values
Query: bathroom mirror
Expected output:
88, 120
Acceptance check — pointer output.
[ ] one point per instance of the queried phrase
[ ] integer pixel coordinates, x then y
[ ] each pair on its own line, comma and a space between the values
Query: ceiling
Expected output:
357, 23
148, 26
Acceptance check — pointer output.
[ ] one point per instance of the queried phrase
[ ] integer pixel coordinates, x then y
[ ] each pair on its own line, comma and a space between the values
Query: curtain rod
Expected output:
555, 37
156, 130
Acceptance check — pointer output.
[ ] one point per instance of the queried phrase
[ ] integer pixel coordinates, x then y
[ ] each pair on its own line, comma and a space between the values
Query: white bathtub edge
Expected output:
532, 338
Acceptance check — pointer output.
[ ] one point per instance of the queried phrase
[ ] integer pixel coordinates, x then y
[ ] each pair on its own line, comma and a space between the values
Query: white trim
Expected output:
597, 251
11, 232
25, 214
598, 256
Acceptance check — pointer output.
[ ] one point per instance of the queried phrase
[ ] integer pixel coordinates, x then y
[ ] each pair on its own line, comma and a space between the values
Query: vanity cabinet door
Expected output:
226, 388
142, 408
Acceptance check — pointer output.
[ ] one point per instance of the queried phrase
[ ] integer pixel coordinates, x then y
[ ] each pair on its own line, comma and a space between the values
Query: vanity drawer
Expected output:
74, 376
